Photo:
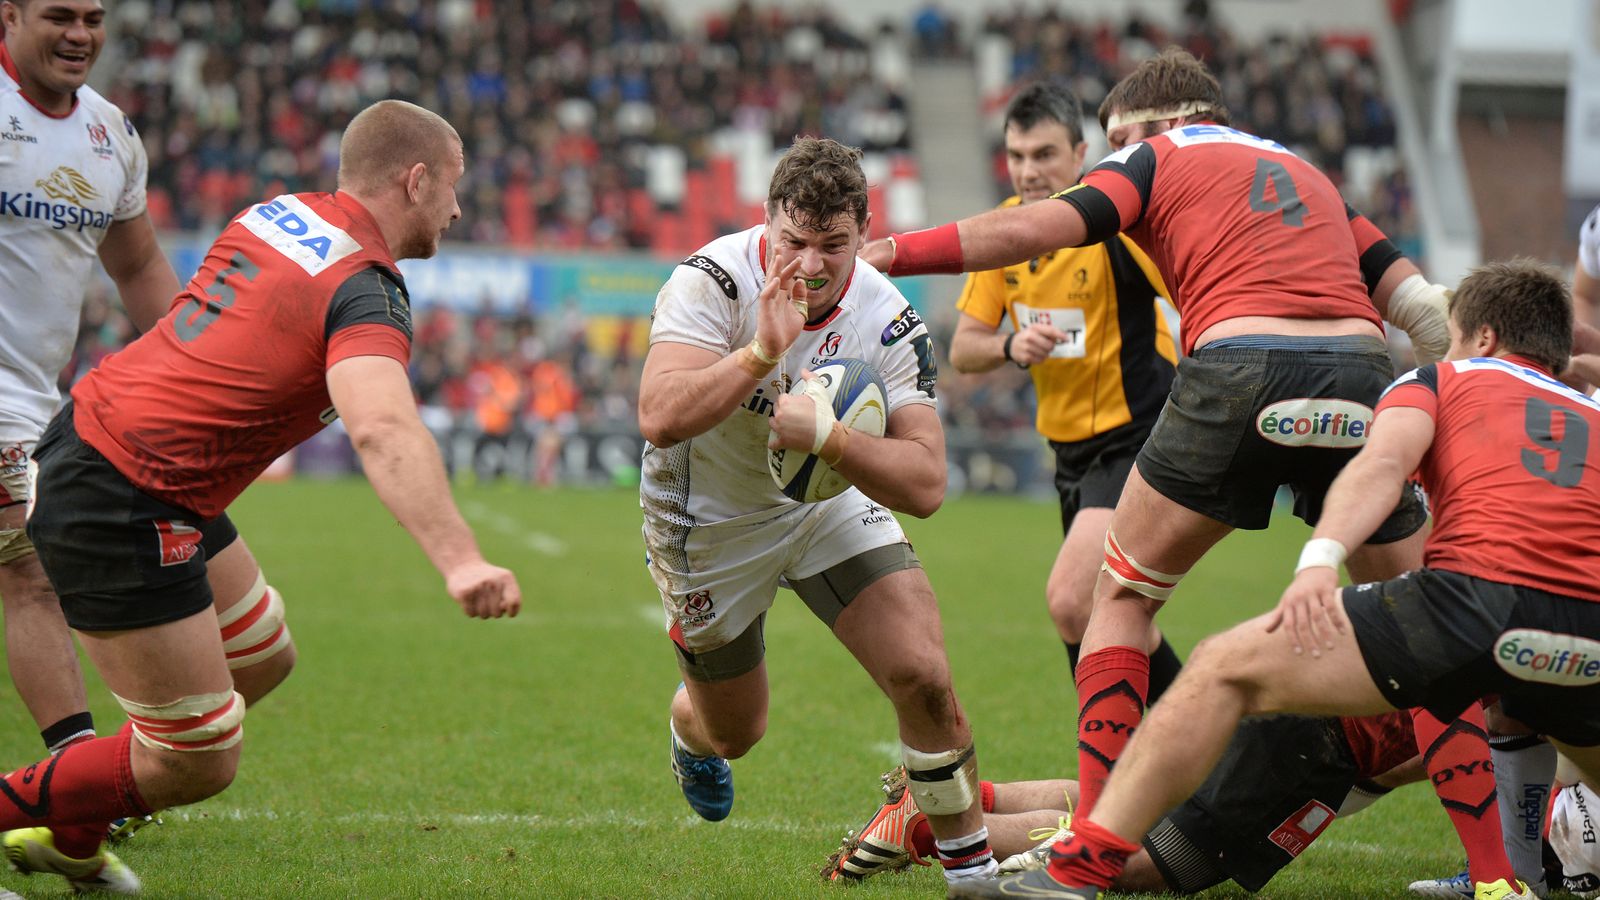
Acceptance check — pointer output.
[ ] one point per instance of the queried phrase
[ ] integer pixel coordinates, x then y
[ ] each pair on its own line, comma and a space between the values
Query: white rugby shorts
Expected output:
716, 579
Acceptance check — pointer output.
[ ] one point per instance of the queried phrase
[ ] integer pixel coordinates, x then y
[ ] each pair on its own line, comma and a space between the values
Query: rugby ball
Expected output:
859, 401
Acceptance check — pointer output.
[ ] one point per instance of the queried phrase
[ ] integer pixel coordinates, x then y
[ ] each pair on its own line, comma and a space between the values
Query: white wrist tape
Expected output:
1321, 552
823, 406
1422, 310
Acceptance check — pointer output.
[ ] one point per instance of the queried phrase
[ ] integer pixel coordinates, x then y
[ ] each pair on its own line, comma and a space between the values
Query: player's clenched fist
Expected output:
484, 591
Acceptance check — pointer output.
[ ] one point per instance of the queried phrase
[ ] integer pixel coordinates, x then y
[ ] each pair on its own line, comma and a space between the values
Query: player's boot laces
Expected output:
31, 850
707, 782
884, 843
1039, 856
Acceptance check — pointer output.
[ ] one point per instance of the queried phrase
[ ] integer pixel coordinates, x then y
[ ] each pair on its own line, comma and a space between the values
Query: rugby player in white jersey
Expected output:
734, 327
72, 186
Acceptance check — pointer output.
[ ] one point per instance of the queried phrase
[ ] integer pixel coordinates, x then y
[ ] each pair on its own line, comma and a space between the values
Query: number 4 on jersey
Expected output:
1287, 201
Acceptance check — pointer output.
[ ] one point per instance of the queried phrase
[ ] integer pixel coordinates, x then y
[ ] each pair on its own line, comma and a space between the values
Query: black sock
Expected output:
1164, 668
1072, 655
73, 728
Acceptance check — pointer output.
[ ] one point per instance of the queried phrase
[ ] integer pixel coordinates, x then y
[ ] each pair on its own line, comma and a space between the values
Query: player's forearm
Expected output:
402, 462
1361, 497
682, 404
147, 293
997, 238
1398, 271
1585, 369
905, 474
977, 352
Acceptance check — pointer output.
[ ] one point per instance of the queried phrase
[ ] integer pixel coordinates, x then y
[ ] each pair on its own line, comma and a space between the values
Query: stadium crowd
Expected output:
605, 132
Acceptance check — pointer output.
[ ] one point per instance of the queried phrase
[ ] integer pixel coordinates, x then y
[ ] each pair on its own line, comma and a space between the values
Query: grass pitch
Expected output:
416, 753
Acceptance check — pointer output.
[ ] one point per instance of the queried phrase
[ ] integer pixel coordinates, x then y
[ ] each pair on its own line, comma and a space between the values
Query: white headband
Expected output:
1116, 120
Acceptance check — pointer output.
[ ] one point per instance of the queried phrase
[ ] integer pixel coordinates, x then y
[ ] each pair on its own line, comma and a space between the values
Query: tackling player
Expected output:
297, 316
1089, 330
1278, 787
1281, 287
1586, 303
72, 186
734, 327
1507, 603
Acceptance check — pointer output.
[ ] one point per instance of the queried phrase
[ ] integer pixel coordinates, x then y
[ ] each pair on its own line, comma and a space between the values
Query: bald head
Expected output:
386, 139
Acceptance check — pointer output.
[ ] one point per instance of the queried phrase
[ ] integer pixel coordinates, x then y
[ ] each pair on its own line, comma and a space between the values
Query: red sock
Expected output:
1457, 759
89, 783
923, 843
1112, 684
79, 841
1092, 857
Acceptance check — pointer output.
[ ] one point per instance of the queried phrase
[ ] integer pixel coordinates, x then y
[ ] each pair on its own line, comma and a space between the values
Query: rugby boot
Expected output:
884, 843
1501, 890
31, 850
707, 782
1039, 856
1456, 886
1036, 883
121, 829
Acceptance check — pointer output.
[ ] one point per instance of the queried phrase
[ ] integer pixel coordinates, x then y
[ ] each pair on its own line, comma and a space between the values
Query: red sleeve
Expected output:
368, 339
1418, 389
1373, 247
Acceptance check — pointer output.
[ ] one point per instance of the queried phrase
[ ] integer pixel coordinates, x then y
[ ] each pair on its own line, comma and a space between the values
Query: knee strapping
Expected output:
1137, 578
253, 629
201, 722
943, 784
14, 545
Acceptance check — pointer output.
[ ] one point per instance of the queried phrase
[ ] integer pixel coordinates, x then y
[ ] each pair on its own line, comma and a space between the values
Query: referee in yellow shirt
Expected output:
1086, 324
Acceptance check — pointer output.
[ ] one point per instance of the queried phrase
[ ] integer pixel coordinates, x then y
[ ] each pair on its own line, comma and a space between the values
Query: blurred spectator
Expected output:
597, 124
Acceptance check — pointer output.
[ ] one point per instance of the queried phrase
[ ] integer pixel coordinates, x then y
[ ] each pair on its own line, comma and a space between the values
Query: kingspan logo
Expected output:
67, 184
1549, 657
1310, 422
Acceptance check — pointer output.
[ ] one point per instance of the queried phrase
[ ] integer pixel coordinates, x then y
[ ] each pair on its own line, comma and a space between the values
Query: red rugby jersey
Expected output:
234, 375
1237, 225
1513, 475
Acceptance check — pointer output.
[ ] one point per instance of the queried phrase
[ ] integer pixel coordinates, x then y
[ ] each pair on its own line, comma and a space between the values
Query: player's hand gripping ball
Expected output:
854, 394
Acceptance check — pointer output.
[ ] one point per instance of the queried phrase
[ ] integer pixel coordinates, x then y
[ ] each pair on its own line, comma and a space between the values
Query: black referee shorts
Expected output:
1090, 473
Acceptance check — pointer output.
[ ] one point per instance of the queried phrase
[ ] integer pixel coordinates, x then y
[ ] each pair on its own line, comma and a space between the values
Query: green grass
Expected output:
416, 753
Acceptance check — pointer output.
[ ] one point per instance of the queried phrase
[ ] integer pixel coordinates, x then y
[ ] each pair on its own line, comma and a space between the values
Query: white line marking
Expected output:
537, 541
609, 819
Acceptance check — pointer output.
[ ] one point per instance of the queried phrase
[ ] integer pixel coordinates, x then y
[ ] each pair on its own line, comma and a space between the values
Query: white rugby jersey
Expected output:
710, 302
63, 181
1589, 244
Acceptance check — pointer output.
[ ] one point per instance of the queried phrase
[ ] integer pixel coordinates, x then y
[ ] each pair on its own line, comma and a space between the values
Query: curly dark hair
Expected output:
1526, 303
818, 180
1172, 77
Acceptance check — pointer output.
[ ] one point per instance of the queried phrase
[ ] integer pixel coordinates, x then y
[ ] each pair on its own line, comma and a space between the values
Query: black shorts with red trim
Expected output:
1277, 787
1243, 420
117, 557
1443, 640
1090, 473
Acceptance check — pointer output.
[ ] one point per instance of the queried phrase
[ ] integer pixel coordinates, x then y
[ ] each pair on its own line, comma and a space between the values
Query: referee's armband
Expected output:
1101, 218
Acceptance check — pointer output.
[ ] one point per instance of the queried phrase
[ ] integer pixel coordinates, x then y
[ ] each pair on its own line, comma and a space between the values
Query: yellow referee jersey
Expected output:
1117, 364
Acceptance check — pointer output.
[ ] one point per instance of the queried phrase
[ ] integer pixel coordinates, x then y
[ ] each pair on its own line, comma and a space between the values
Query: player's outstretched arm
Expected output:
904, 470
1362, 496
373, 396
1000, 237
143, 276
686, 390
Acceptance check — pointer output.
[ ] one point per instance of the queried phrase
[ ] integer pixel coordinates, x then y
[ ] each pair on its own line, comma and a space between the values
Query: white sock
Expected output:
967, 857
1523, 768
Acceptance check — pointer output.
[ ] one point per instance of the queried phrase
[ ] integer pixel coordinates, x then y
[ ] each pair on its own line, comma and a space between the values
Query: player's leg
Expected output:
721, 709
1151, 542
39, 651
250, 613
891, 625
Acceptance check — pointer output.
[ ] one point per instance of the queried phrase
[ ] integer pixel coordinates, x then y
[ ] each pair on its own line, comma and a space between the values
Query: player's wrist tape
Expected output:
1321, 552
1422, 310
931, 251
754, 360
831, 451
